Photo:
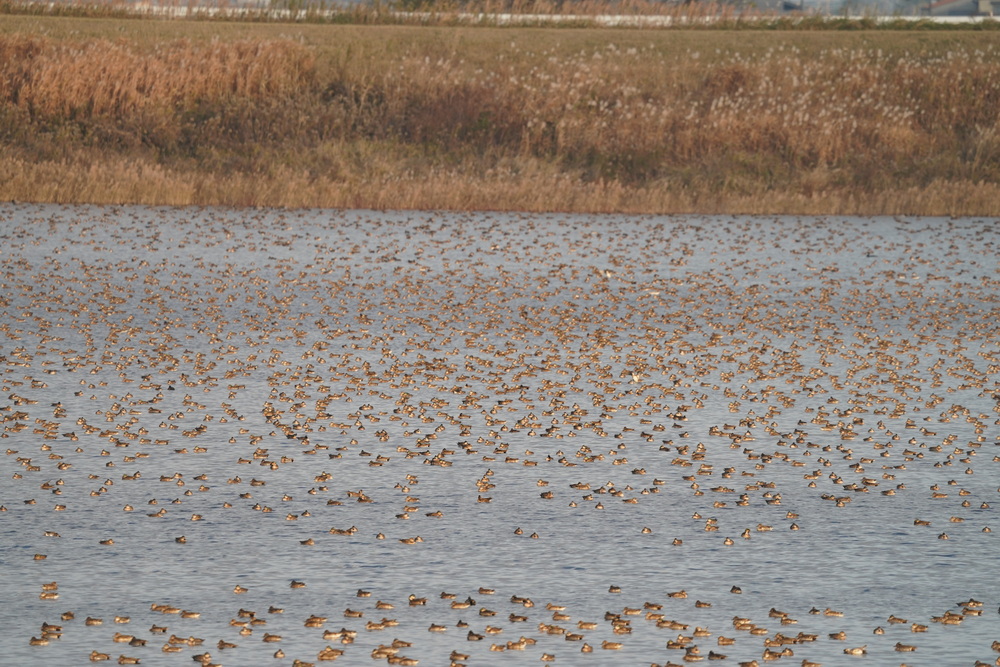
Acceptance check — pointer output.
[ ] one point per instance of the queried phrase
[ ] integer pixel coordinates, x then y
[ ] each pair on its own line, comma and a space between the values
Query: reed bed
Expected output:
909, 128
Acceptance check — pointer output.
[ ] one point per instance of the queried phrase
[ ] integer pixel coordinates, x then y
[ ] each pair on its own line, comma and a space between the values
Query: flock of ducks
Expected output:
564, 353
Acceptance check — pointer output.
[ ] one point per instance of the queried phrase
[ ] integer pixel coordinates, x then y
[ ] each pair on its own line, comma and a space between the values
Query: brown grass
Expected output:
621, 121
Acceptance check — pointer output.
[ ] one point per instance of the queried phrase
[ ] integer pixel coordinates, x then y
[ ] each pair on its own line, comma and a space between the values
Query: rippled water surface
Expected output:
626, 420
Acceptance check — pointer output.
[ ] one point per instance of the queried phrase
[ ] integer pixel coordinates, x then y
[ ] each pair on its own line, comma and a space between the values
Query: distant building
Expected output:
964, 8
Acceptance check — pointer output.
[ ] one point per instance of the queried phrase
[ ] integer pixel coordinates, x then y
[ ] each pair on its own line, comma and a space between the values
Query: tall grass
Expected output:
103, 79
638, 127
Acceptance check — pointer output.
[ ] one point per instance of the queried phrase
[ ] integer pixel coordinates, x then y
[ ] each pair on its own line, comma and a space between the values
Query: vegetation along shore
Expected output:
733, 119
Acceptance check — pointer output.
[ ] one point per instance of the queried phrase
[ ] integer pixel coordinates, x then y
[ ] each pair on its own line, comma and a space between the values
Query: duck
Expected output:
329, 653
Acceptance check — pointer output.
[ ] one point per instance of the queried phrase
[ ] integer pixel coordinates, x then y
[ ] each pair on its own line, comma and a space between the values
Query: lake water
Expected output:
592, 412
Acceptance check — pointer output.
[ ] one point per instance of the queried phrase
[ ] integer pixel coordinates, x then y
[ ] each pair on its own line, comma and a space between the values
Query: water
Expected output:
673, 364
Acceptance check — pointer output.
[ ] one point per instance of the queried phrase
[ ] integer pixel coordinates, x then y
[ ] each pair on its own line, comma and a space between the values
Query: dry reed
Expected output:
630, 128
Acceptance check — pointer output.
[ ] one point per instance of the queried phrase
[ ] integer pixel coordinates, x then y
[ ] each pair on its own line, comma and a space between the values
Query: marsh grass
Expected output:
396, 118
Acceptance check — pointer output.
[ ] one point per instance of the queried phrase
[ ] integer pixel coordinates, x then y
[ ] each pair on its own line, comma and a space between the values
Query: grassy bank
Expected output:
236, 113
